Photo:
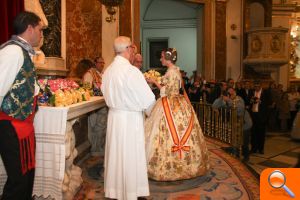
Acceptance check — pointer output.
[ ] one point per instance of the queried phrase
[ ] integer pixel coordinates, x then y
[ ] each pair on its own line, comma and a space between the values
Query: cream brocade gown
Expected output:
165, 160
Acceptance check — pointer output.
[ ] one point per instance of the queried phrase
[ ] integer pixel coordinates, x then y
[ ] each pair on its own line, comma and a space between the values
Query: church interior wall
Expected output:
257, 14
183, 39
88, 34
109, 32
234, 37
282, 74
200, 39
83, 31
161, 19
220, 41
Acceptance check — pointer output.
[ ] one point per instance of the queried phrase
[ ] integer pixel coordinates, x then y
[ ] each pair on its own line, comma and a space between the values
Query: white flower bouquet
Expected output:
152, 74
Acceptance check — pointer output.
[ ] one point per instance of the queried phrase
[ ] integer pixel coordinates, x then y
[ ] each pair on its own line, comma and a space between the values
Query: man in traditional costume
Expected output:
18, 88
39, 59
127, 95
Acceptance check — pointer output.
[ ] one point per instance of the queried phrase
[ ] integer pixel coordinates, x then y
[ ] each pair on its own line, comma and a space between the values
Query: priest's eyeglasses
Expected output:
130, 46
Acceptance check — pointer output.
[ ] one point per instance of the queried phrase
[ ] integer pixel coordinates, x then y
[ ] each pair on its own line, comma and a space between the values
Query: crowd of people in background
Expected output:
282, 105
266, 106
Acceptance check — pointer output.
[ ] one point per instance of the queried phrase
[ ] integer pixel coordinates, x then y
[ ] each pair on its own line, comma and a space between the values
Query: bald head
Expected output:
123, 47
121, 43
138, 61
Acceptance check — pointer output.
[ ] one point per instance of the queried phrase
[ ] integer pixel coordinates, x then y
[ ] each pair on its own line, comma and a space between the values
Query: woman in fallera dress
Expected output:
175, 145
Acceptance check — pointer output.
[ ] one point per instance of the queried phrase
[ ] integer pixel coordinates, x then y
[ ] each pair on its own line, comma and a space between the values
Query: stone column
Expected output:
97, 131
72, 179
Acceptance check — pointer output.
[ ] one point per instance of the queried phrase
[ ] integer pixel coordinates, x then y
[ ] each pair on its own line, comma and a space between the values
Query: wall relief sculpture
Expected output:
275, 44
256, 44
266, 50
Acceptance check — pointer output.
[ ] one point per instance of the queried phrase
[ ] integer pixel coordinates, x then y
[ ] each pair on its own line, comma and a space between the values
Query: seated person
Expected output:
92, 73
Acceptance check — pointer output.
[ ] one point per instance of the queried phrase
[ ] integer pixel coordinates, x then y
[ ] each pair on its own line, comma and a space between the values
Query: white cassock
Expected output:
127, 95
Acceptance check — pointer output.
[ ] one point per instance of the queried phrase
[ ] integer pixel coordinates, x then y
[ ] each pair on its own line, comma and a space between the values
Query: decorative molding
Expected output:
53, 66
160, 24
52, 72
198, 1
285, 7
280, 14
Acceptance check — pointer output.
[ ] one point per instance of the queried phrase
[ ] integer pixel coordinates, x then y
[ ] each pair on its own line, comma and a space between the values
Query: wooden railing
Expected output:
222, 124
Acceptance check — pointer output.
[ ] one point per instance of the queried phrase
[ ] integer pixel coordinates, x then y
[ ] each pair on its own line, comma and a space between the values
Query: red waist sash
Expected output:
25, 134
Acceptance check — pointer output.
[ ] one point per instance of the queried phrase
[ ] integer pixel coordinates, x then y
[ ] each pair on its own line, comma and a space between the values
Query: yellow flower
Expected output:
155, 75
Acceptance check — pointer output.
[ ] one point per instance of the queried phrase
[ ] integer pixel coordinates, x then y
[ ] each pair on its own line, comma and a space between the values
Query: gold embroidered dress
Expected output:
175, 146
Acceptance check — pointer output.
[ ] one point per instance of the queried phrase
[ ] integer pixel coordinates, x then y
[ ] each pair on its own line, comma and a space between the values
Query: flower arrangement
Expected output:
63, 84
155, 75
61, 92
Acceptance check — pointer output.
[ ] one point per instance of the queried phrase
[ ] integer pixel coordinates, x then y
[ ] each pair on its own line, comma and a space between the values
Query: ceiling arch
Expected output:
168, 9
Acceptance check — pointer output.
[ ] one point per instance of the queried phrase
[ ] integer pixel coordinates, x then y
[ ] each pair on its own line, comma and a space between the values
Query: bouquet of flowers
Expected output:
61, 92
155, 75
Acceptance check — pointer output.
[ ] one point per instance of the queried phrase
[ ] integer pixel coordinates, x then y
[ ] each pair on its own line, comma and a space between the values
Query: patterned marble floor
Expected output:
228, 178
280, 152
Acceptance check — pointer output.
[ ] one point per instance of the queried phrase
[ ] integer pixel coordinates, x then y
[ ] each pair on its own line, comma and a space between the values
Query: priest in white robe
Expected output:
127, 95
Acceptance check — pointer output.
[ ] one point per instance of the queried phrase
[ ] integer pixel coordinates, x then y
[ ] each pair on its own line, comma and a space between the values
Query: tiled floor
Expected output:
227, 178
280, 152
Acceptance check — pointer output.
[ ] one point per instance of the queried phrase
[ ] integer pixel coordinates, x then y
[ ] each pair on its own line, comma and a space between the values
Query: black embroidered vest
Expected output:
18, 102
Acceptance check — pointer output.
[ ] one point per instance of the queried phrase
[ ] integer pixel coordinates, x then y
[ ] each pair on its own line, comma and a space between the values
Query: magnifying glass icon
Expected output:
277, 180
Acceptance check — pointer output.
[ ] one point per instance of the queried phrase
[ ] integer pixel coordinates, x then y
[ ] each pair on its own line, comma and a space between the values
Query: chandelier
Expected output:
110, 8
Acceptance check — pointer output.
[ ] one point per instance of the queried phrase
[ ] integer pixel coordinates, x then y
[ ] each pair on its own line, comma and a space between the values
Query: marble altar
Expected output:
56, 175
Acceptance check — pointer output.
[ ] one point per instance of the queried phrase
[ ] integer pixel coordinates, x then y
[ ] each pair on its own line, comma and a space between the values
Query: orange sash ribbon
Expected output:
179, 145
